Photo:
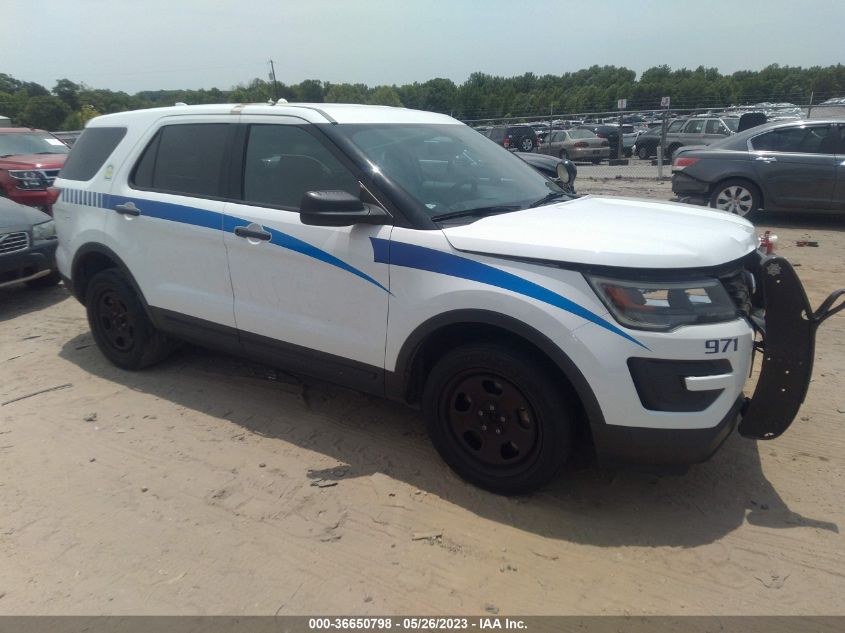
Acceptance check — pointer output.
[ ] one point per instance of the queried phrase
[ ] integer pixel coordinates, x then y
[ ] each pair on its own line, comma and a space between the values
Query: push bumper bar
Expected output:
789, 335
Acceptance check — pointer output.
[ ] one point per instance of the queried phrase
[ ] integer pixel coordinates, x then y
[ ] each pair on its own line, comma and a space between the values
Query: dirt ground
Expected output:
209, 485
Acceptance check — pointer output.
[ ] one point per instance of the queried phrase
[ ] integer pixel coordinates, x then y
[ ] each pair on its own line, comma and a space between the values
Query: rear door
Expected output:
165, 220
839, 191
796, 166
310, 296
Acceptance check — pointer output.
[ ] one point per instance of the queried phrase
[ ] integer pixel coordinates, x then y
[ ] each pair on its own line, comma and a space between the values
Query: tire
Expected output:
47, 281
643, 153
526, 144
497, 418
595, 161
735, 195
670, 151
120, 325
563, 154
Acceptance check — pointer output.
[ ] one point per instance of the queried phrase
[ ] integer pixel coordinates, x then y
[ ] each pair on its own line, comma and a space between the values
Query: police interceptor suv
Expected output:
401, 253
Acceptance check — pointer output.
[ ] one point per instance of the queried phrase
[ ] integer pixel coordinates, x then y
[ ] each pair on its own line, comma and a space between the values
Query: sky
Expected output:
169, 44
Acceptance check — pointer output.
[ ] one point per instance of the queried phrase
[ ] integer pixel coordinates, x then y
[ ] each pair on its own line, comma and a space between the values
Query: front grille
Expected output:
740, 290
13, 242
50, 175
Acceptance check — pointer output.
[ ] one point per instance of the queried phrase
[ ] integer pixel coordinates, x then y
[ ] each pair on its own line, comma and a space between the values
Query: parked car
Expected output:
561, 171
698, 131
400, 253
576, 144
516, 138
630, 133
68, 137
605, 131
30, 160
776, 166
647, 144
27, 246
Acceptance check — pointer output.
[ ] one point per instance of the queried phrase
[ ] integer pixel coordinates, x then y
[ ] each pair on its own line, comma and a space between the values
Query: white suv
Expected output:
402, 253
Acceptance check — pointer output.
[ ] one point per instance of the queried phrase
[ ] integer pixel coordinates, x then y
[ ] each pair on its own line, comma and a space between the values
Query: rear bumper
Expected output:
685, 185
36, 261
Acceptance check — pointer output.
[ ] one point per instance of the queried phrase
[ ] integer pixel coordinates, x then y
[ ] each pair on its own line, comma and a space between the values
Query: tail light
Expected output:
682, 162
53, 194
581, 144
600, 135
507, 142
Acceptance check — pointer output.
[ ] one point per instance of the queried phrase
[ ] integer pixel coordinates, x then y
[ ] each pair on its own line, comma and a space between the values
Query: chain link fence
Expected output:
645, 150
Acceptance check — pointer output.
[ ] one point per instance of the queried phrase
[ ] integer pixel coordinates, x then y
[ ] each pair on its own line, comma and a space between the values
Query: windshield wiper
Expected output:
476, 213
548, 198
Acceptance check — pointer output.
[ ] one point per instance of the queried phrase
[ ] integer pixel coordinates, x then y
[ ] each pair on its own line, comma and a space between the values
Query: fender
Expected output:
76, 270
398, 382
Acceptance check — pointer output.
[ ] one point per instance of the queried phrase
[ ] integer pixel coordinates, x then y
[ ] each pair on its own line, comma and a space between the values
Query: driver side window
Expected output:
283, 162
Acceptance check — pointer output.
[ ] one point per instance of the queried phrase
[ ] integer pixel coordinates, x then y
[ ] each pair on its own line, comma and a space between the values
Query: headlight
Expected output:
28, 179
663, 306
44, 231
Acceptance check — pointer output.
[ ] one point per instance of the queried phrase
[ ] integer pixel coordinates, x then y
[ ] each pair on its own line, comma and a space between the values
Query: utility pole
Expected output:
273, 77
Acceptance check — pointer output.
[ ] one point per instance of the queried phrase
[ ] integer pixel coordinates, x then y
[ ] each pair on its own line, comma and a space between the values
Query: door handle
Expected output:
767, 159
128, 208
255, 234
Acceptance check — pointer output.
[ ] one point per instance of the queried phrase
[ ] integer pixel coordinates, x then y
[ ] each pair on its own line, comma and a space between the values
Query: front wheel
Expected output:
498, 419
735, 196
119, 323
643, 153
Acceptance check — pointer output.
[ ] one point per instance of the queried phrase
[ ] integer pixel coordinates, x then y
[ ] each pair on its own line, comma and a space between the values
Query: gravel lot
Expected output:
209, 485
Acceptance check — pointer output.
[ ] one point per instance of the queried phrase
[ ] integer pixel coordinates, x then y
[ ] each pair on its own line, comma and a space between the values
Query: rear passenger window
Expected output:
184, 159
90, 152
806, 140
283, 162
694, 127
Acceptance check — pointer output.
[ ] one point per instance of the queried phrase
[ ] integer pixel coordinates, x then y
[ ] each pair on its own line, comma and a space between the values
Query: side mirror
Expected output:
338, 208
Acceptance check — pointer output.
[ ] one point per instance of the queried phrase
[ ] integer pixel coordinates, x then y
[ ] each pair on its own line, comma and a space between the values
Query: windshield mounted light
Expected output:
663, 306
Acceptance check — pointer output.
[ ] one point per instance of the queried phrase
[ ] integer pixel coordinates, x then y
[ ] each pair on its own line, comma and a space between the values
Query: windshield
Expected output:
30, 143
449, 168
733, 124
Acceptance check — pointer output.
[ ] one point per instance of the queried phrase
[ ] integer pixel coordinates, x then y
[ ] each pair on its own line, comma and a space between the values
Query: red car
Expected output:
30, 160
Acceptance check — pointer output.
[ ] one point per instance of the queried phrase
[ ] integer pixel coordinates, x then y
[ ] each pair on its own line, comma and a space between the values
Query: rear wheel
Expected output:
497, 418
643, 152
119, 323
526, 144
563, 154
735, 196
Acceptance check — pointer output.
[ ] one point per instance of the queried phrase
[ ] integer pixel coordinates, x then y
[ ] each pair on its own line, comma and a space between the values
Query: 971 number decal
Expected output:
716, 345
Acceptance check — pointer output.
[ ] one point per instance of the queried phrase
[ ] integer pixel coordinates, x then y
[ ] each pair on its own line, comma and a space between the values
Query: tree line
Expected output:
69, 105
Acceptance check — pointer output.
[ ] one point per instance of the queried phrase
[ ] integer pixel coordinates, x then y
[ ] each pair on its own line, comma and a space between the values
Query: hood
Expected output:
19, 217
622, 232
34, 161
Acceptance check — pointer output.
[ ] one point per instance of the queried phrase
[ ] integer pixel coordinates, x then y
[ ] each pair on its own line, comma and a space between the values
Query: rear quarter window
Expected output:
91, 151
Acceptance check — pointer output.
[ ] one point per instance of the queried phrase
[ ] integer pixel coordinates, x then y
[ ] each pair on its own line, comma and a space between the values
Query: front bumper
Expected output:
669, 436
36, 261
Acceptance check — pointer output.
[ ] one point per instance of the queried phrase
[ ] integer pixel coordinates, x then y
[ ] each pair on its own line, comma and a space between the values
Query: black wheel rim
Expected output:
116, 322
491, 420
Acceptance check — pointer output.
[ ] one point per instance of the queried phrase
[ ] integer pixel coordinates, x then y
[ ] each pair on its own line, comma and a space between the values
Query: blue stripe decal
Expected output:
429, 259
222, 222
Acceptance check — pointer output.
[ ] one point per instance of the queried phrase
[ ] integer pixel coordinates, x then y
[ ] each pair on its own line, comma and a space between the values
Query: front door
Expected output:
307, 296
796, 166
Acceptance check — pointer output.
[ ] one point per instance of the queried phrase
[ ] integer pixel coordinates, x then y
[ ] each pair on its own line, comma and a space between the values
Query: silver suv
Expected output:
698, 131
